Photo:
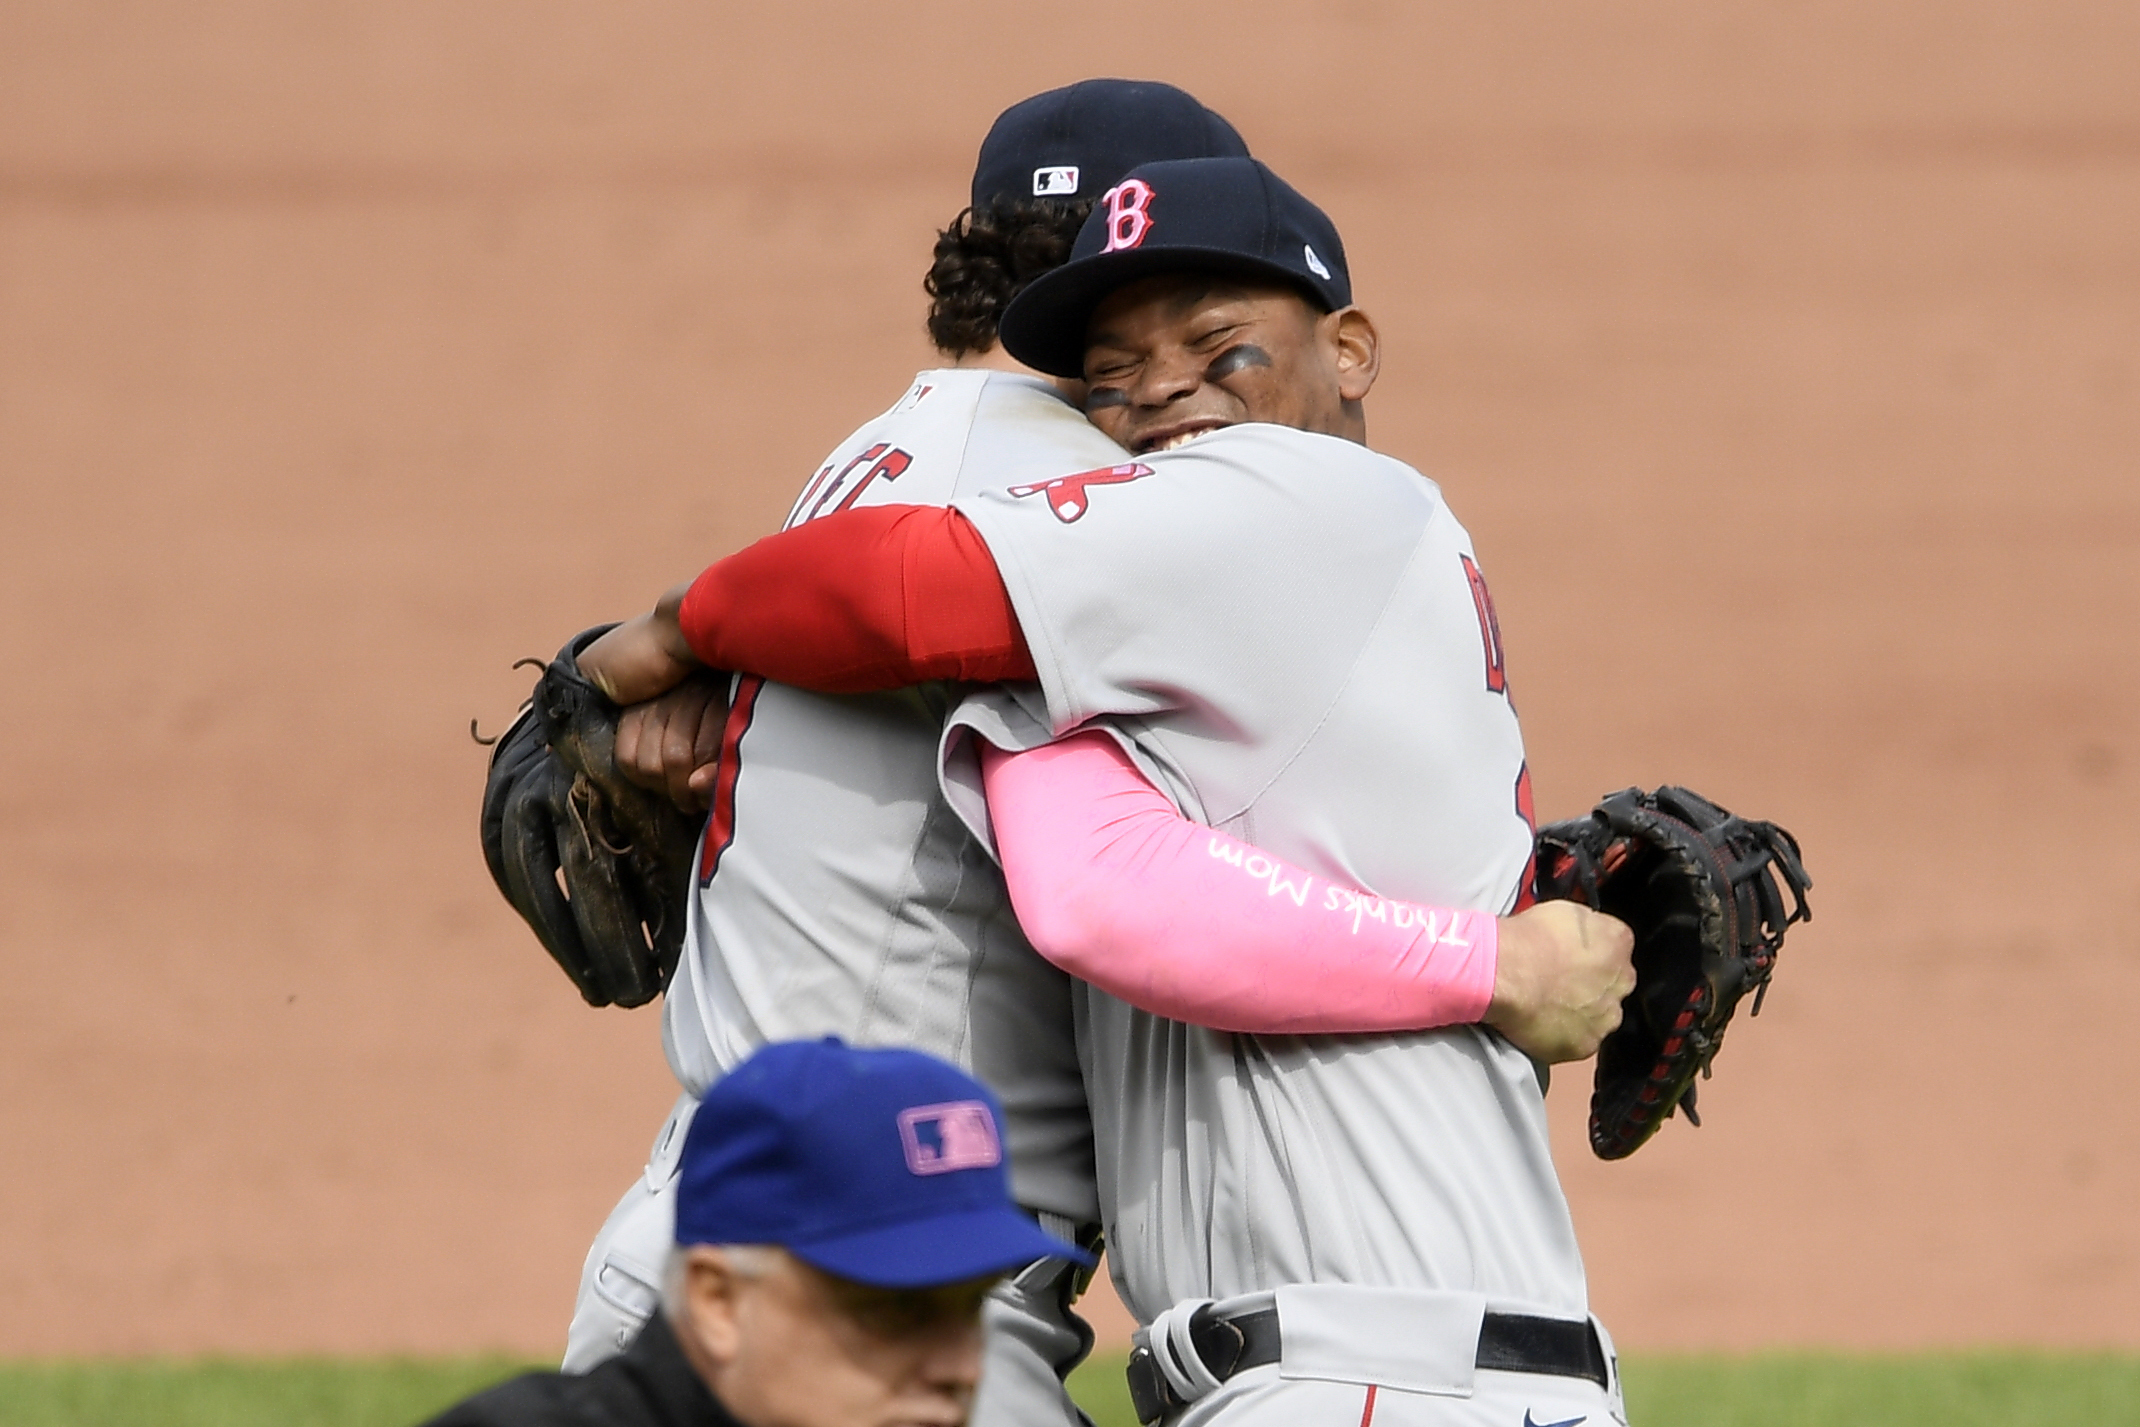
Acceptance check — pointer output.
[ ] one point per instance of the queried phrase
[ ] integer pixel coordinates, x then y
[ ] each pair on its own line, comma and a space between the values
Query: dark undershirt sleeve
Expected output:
877, 597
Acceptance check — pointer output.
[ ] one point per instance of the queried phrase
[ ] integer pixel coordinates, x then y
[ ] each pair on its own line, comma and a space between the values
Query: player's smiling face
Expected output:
1171, 357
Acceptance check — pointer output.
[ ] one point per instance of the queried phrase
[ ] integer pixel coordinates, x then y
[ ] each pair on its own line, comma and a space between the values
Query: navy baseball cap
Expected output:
884, 1167
1221, 215
1076, 142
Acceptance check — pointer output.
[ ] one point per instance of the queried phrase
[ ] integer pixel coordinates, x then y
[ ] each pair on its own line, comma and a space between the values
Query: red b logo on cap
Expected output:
1127, 217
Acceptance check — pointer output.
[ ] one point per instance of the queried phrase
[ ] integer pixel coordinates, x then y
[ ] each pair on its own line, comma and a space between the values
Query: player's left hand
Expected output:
670, 744
1560, 977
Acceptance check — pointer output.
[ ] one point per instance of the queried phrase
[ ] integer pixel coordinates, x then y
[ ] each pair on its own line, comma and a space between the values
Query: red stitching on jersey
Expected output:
1367, 1413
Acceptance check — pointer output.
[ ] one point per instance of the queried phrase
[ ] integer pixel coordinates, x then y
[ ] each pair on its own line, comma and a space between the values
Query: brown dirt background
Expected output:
350, 351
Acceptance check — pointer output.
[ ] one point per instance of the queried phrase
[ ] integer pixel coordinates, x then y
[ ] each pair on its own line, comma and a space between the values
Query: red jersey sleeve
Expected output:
874, 598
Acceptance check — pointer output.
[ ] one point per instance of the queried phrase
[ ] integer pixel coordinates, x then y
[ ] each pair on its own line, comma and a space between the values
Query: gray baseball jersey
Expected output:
1290, 635
837, 894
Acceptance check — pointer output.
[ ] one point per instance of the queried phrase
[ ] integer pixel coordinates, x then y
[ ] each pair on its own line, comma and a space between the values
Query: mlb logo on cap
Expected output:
881, 1166
1070, 143
1059, 181
941, 1138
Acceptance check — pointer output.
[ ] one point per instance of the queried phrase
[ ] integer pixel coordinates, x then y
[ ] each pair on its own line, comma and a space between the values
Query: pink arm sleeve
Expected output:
1114, 886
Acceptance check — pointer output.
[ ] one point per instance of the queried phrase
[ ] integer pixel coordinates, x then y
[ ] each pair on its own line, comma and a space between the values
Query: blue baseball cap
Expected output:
1076, 142
884, 1167
1220, 215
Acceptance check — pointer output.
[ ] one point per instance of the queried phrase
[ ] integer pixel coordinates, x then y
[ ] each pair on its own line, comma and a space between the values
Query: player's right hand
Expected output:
1563, 971
644, 656
663, 742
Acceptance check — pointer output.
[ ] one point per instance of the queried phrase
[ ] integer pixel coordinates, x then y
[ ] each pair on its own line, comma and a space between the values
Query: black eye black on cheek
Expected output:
1101, 396
1235, 359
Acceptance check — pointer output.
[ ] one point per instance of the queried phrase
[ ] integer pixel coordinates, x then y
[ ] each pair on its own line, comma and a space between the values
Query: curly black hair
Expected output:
986, 256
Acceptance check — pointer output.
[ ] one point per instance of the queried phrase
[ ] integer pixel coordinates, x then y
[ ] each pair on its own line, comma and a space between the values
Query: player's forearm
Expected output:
873, 598
1112, 884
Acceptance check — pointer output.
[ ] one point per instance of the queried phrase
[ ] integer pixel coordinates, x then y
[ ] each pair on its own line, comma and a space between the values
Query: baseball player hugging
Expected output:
834, 892
1256, 780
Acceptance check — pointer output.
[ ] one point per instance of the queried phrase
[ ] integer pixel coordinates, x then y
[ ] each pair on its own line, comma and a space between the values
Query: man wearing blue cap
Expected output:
836, 892
1262, 626
841, 1216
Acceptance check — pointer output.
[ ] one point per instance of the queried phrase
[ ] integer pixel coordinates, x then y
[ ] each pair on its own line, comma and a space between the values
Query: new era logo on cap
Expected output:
942, 1138
1059, 181
1315, 264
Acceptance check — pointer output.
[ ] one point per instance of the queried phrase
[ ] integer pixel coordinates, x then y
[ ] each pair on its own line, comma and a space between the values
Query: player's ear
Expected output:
712, 1287
1356, 351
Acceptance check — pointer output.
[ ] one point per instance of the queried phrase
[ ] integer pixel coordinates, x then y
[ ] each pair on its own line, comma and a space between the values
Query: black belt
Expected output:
1508, 1342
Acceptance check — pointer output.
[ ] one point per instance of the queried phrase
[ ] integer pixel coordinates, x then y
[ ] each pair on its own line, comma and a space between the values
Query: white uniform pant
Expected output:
1373, 1357
1032, 1340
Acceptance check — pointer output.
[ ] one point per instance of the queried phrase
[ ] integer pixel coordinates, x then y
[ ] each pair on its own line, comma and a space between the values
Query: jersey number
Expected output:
1527, 809
1497, 683
721, 819
1489, 628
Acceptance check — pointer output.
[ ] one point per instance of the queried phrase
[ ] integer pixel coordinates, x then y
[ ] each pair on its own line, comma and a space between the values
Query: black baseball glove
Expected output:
600, 867
1698, 887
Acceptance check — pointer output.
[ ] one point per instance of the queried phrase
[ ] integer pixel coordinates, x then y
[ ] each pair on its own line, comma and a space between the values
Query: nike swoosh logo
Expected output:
1571, 1422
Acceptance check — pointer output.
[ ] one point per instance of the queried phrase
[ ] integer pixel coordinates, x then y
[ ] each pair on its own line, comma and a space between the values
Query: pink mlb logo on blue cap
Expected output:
942, 1138
879, 1165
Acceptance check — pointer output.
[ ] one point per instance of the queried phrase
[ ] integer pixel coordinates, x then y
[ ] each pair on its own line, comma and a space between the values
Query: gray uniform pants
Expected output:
1381, 1357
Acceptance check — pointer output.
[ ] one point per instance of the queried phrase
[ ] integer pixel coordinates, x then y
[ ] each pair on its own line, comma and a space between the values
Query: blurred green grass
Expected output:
295, 1392
1985, 1389
1988, 1389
